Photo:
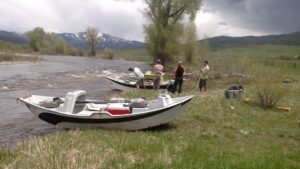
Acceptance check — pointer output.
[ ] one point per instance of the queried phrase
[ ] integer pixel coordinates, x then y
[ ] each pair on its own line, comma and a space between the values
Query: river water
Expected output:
53, 76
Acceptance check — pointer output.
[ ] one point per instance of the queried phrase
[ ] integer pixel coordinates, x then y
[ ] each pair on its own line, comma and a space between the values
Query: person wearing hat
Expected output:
138, 73
203, 77
178, 78
157, 71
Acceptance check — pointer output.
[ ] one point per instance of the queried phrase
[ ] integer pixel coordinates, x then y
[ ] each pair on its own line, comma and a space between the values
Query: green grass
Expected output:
259, 51
209, 135
212, 133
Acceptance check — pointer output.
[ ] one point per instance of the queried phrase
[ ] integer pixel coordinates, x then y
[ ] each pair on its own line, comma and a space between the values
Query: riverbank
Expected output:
212, 133
10, 58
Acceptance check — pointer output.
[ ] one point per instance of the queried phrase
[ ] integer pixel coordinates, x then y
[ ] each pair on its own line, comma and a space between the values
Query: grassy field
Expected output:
212, 133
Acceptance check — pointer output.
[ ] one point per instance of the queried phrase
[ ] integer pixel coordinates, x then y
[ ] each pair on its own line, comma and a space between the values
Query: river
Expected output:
53, 76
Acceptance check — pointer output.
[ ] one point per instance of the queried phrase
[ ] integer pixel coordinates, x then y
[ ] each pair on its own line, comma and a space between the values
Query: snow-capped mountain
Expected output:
78, 40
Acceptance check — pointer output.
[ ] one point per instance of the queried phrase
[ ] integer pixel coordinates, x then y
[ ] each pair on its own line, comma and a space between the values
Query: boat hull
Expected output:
134, 122
125, 86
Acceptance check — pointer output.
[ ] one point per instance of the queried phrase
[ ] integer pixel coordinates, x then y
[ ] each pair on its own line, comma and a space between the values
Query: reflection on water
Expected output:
54, 76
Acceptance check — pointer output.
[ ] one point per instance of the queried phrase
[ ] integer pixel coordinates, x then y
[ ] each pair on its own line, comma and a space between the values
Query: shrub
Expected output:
109, 54
269, 87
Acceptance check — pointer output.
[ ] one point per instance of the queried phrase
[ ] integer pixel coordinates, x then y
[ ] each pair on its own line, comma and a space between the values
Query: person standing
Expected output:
178, 78
203, 77
157, 71
138, 73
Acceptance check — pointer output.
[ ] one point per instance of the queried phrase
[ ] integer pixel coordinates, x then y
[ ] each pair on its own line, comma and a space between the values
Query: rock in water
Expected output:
4, 88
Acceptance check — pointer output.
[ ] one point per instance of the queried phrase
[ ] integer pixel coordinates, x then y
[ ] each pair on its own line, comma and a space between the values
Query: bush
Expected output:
269, 87
109, 54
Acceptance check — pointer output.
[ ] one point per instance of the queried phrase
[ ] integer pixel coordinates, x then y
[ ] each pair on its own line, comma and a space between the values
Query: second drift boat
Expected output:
119, 84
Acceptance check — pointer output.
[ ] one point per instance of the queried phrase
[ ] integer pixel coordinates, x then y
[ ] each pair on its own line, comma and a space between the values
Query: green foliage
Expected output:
38, 39
60, 45
47, 43
190, 44
165, 29
11, 47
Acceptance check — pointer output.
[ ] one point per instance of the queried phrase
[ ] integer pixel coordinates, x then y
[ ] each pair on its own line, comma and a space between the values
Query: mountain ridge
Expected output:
76, 40
227, 41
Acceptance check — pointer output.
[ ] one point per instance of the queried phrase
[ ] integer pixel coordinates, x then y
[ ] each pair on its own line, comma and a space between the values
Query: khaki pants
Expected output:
140, 83
156, 82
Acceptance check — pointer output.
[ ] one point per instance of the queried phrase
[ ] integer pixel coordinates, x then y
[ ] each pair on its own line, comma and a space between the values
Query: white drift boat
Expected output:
120, 84
74, 111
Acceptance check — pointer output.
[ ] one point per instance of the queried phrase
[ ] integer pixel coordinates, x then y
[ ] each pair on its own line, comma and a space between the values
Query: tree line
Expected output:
49, 43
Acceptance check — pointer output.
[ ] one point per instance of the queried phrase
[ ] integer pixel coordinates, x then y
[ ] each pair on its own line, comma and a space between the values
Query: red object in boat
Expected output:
118, 111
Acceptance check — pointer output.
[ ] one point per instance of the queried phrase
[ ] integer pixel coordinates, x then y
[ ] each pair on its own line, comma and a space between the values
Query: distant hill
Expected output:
77, 40
13, 37
108, 41
284, 39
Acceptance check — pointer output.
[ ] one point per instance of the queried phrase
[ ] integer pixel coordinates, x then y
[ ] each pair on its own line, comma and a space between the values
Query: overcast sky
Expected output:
123, 18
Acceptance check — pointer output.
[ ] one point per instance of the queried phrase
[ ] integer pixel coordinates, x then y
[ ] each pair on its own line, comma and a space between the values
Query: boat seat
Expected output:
139, 103
95, 107
50, 103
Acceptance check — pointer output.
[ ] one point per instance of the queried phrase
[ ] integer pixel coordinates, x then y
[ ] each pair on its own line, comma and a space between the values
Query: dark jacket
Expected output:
179, 72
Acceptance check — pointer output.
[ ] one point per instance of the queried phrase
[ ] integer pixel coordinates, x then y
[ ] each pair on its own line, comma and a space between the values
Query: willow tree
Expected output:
190, 44
38, 39
165, 27
92, 39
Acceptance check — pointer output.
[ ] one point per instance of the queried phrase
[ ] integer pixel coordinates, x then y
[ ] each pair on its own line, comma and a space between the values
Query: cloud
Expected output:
123, 18
264, 16
223, 23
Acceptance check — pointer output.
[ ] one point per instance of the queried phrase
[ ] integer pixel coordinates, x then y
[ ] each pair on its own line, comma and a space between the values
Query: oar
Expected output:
102, 101
58, 100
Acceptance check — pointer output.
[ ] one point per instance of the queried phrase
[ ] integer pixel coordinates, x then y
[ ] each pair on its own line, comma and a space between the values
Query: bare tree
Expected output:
92, 39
